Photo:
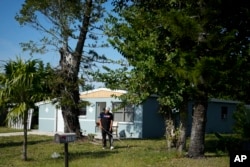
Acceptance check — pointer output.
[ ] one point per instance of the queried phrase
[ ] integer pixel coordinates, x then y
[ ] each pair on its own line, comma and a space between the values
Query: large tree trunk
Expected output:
71, 121
70, 65
197, 140
70, 92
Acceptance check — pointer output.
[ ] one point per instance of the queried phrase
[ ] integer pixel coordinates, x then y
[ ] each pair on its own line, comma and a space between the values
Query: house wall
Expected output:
125, 129
132, 129
147, 122
214, 122
153, 122
88, 122
47, 117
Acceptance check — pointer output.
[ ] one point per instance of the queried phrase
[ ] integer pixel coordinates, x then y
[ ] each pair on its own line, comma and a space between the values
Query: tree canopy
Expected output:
70, 27
198, 49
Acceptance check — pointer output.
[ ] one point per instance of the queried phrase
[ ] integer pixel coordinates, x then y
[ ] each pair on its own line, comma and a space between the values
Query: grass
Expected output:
9, 130
140, 153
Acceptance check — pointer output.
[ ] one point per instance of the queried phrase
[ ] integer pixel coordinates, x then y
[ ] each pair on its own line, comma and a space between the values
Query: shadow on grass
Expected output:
213, 155
94, 154
91, 154
20, 143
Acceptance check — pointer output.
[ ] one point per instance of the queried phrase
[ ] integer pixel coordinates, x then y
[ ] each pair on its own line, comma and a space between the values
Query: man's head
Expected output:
107, 109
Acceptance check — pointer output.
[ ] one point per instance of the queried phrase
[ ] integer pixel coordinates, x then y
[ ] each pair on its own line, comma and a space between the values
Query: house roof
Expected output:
42, 102
101, 93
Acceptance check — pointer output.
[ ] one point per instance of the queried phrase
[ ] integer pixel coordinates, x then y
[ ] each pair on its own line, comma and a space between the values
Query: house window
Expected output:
123, 114
224, 112
82, 111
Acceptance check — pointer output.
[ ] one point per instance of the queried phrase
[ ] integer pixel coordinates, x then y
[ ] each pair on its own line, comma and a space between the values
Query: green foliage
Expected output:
228, 143
193, 48
24, 82
182, 44
242, 121
145, 39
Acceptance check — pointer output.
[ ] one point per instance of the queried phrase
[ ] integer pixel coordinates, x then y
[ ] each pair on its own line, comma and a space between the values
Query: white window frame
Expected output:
127, 112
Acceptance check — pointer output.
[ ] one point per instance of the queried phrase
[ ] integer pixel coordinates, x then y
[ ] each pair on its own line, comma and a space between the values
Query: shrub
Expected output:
242, 121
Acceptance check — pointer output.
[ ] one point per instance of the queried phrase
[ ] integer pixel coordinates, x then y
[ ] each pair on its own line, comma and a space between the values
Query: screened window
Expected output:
224, 112
82, 111
123, 114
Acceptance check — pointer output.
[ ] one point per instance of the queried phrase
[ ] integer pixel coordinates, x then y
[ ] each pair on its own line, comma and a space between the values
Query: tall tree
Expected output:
66, 28
23, 84
178, 50
148, 36
223, 53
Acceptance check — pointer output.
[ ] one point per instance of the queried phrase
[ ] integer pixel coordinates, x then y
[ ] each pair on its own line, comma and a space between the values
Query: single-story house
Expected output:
219, 116
133, 121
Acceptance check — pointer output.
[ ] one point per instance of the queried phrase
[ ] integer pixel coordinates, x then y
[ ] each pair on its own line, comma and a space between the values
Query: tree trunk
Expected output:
71, 120
181, 141
197, 140
70, 65
170, 134
25, 135
70, 91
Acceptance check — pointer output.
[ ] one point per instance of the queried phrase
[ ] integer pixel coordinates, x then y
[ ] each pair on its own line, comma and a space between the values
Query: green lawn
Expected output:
140, 153
9, 130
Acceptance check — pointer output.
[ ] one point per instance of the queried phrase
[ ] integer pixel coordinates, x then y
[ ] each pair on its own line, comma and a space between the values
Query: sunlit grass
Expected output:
140, 153
8, 130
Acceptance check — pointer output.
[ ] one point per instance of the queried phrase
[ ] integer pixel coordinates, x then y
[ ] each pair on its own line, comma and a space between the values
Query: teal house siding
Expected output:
143, 120
153, 122
217, 121
88, 121
219, 116
132, 129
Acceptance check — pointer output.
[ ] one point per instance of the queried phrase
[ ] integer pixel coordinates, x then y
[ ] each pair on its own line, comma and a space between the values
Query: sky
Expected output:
12, 34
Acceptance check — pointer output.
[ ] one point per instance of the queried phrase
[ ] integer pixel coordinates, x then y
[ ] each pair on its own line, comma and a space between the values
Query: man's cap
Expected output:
107, 108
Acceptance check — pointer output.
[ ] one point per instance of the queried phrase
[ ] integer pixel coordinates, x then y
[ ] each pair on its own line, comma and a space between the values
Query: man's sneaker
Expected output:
103, 148
111, 148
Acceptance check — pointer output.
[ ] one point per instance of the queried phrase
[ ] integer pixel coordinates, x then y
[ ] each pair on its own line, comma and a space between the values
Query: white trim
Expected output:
47, 118
88, 120
44, 102
82, 116
129, 123
138, 122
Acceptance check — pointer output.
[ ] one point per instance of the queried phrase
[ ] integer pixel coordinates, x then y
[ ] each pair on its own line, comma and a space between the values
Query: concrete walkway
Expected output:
32, 132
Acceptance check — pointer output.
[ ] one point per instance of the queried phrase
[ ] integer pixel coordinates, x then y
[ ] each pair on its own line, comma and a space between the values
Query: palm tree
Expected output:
22, 84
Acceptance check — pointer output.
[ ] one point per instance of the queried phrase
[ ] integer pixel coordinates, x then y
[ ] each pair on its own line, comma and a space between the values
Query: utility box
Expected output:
64, 137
